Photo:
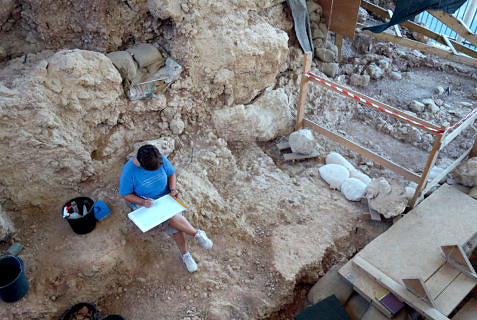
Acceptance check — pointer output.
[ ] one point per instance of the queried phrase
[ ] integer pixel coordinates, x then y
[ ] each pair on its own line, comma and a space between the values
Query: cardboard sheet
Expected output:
162, 209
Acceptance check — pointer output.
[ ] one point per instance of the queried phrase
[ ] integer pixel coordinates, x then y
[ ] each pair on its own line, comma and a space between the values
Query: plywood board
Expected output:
342, 16
364, 285
454, 293
456, 257
441, 279
468, 311
412, 245
418, 288
399, 290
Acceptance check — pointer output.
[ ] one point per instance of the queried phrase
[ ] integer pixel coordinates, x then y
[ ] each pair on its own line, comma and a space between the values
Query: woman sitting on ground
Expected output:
148, 176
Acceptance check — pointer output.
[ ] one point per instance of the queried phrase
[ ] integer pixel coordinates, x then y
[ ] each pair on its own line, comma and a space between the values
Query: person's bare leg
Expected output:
181, 224
180, 241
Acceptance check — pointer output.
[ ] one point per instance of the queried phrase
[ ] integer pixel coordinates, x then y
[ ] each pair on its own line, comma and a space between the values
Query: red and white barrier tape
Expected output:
458, 123
369, 103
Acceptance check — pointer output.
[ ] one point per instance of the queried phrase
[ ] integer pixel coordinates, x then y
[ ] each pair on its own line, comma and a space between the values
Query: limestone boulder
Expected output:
375, 72
267, 118
63, 103
386, 197
416, 106
360, 80
302, 141
466, 173
330, 69
166, 9
7, 229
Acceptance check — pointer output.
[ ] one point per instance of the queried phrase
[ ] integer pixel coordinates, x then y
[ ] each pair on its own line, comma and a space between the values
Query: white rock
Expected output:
177, 126
395, 75
353, 189
336, 158
302, 141
7, 229
466, 173
360, 176
439, 102
416, 106
334, 175
361, 80
267, 118
409, 192
439, 90
375, 72
330, 69
388, 198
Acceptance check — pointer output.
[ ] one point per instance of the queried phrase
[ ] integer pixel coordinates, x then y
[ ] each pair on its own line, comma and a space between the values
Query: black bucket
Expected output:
77, 307
113, 317
13, 281
87, 222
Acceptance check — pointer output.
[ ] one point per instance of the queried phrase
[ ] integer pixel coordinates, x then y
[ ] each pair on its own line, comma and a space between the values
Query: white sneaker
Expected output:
189, 262
202, 239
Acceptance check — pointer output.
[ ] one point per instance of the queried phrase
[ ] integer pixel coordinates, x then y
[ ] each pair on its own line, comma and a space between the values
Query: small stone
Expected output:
53, 298
375, 72
361, 80
439, 90
325, 55
142, 280
177, 126
416, 106
395, 75
330, 69
473, 192
439, 102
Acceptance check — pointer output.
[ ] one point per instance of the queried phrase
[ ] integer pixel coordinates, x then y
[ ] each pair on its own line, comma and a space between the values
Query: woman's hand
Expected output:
174, 193
148, 202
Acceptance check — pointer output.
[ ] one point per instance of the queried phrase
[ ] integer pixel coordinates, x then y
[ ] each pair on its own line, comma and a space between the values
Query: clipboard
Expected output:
161, 210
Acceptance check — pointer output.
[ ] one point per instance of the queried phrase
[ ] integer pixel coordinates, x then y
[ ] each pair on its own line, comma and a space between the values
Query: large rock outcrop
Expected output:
53, 112
466, 173
267, 118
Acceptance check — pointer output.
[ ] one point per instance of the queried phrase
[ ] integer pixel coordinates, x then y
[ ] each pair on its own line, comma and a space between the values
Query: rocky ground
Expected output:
67, 129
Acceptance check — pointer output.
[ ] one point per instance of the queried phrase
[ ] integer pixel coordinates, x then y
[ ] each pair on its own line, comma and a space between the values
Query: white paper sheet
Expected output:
162, 209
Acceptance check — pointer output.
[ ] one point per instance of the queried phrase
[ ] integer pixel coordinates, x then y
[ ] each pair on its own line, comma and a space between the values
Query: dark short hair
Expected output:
149, 157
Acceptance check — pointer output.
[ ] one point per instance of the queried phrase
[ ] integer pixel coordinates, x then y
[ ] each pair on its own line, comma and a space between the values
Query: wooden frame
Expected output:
455, 48
443, 136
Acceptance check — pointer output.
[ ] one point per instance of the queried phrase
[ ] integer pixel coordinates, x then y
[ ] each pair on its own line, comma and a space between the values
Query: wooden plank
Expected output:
363, 151
386, 36
398, 290
450, 298
473, 152
444, 173
340, 15
418, 28
455, 24
339, 44
307, 58
449, 44
298, 156
441, 279
468, 311
412, 245
351, 94
456, 257
449, 137
364, 285
419, 289
430, 163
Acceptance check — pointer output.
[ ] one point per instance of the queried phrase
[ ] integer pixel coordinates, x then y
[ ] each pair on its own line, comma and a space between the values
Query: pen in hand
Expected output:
147, 202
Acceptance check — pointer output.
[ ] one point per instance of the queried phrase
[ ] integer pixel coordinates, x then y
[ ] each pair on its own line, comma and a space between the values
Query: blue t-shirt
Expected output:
145, 183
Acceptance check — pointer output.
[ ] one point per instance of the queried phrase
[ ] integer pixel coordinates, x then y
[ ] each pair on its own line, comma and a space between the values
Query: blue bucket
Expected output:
13, 282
